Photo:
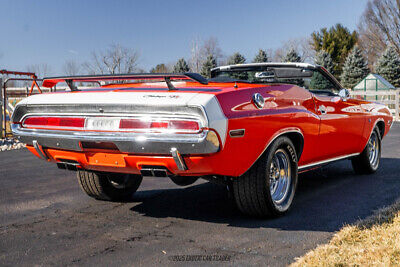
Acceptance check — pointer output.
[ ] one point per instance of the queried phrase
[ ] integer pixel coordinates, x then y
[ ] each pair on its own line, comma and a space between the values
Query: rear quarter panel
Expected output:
287, 108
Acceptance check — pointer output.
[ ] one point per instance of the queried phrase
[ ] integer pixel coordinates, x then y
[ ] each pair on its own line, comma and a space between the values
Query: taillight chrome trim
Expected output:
22, 111
53, 127
118, 118
163, 120
206, 107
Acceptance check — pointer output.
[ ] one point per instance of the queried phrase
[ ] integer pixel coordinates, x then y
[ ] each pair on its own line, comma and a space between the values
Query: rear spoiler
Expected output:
52, 81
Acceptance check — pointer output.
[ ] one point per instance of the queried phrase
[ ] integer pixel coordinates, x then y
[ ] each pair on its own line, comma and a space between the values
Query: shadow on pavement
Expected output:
326, 199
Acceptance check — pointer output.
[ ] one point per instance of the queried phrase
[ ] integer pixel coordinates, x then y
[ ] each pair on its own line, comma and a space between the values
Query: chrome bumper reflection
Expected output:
203, 143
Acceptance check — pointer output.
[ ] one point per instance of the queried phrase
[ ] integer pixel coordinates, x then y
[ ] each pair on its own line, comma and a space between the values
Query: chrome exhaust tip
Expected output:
68, 165
61, 166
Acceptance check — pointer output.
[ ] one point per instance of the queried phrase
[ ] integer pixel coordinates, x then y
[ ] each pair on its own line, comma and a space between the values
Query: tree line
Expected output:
350, 56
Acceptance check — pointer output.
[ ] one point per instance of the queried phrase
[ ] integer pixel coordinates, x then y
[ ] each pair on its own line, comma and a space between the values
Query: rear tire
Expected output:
267, 189
368, 161
109, 186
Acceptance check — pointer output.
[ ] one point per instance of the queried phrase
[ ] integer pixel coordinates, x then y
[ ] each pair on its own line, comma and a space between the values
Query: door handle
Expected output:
322, 109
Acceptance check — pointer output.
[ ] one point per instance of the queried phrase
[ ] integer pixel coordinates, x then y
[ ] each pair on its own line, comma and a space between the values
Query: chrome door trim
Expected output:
327, 161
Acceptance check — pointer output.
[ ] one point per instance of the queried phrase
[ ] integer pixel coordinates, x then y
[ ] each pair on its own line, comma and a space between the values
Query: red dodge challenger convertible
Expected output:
253, 127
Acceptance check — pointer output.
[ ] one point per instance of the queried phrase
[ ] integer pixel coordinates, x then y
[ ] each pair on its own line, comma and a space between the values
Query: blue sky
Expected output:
53, 31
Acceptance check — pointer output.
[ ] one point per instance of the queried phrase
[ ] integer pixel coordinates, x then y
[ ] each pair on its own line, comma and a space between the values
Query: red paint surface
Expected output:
344, 130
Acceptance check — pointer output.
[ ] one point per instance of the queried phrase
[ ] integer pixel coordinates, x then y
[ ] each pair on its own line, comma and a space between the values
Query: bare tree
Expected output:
200, 50
196, 57
210, 47
116, 59
371, 42
41, 70
378, 27
71, 68
301, 45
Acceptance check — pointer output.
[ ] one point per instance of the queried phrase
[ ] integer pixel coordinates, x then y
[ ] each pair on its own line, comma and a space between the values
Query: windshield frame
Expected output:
260, 66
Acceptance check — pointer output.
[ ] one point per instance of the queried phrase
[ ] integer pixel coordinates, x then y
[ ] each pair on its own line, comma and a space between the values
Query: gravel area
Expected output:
10, 144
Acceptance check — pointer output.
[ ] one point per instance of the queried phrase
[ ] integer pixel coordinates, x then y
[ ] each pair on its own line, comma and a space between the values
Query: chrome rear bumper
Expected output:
205, 142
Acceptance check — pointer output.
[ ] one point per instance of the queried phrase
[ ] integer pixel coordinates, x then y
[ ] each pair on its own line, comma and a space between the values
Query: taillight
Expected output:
54, 122
187, 125
172, 125
113, 124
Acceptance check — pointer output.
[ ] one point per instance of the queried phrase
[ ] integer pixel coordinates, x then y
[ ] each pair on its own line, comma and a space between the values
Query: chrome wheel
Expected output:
368, 160
267, 189
373, 149
280, 176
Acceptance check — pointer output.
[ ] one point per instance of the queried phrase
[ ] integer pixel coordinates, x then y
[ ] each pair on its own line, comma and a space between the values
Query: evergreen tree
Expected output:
323, 59
160, 68
388, 66
237, 58
181, 66
292, 56
261, 57
210, 63
355, 68
337, 41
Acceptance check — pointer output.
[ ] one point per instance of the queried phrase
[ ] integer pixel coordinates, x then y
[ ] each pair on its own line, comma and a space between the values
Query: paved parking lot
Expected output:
45, 219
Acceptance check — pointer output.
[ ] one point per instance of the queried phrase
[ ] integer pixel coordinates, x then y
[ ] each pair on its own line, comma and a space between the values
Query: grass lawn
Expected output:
373, 241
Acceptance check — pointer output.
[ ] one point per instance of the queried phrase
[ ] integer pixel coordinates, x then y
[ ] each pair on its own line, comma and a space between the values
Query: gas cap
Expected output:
258, 100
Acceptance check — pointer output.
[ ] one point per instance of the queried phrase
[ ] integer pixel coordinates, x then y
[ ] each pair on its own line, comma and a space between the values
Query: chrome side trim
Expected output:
327, 161
180, 162
39, 150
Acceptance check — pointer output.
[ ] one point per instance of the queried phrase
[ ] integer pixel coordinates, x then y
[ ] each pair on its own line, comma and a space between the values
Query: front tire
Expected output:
267, 189
368, 161
108, 186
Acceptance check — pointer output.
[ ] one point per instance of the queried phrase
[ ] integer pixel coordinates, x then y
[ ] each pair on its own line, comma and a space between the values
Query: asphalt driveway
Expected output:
46, 220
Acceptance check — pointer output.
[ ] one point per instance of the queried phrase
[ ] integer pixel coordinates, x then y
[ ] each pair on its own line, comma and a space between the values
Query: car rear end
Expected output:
126, 131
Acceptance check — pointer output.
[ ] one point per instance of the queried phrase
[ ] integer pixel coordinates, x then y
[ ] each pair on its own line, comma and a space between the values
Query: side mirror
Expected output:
344, 94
